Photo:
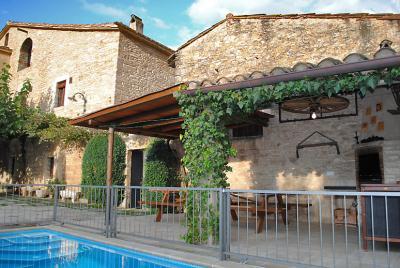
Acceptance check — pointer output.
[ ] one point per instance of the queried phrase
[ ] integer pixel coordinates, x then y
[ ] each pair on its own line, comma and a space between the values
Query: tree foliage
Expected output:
13, 111
162, 166
94, 162
19, 120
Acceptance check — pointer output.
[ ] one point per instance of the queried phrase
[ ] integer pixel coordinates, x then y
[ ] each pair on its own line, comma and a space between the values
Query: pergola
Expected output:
157, 114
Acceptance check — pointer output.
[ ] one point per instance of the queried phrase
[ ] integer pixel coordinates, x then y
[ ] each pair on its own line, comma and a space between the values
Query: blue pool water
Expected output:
48, 249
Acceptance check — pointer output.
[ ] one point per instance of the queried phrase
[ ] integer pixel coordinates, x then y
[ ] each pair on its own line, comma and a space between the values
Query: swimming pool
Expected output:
46, 248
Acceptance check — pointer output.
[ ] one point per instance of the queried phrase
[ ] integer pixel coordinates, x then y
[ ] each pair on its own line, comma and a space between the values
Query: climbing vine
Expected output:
206, 140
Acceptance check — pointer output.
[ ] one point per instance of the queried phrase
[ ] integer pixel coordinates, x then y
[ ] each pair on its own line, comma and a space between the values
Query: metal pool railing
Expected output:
300, 228
321, 229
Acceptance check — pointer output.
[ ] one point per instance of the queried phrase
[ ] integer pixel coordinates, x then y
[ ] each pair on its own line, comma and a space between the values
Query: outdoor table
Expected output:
165, 202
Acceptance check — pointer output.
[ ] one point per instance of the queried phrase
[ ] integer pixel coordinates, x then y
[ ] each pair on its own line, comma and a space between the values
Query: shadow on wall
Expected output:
45, 101
36, 168
270, 162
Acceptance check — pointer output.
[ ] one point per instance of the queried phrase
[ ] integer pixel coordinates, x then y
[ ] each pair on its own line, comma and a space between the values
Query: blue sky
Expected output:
172, 22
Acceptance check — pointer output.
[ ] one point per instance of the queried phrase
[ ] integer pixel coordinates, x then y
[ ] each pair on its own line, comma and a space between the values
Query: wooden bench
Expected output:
178, 202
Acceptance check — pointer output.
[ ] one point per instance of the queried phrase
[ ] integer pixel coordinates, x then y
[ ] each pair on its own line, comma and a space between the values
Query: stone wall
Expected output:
106, 66
141, 70
269, 162
4, 56
88, 62
241, 46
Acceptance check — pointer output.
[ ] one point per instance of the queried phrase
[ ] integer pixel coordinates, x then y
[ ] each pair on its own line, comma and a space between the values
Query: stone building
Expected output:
245, 47
76, 69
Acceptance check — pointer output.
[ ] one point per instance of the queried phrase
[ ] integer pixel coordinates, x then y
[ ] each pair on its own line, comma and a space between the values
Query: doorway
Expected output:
370, 167
136, 176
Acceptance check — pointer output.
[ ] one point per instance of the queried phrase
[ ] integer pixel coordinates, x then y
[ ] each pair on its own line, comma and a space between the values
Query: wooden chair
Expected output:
261, 208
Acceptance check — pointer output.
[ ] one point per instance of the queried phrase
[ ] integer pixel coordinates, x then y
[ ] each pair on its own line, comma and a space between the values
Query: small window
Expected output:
247, 131
25, 54
51, 167
6, 39
60, 93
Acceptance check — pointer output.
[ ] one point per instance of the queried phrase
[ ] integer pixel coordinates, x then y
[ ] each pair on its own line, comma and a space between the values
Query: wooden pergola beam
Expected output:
170, 110
164, 123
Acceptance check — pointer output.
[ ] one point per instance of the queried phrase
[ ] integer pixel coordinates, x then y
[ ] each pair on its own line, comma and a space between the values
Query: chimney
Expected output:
136, 24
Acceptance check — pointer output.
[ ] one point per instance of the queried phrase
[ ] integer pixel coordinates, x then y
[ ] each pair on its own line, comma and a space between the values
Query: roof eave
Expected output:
148, 41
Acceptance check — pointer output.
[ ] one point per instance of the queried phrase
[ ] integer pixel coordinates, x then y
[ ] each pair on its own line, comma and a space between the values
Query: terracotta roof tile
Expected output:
385, 51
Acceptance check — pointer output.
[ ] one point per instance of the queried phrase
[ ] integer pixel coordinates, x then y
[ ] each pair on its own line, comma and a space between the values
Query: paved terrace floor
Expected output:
297, 243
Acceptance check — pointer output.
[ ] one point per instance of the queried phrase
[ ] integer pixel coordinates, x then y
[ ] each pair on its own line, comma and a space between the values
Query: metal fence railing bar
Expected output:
303, 228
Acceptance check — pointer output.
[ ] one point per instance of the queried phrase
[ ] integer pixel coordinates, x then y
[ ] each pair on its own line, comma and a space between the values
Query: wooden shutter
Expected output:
60, 93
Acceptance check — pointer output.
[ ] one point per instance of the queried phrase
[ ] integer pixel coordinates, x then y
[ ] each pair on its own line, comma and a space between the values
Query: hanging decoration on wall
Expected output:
395, 88
329, 142
316, 108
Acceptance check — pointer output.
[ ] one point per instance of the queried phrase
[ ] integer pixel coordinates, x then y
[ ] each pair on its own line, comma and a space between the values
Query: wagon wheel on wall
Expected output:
308, 105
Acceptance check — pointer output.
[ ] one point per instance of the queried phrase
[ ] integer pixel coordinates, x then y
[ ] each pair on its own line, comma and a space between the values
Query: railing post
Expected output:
55, 207
108, 209
223, 223
113, 212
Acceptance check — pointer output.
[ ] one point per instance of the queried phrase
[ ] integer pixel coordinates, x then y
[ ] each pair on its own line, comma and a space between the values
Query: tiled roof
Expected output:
384, 51
360, 16
113, 26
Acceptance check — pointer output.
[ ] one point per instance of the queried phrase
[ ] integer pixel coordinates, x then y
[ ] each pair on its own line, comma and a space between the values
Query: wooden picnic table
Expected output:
177, 202
262, 206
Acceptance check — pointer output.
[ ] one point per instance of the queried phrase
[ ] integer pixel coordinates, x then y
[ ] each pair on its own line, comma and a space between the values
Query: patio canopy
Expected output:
154, 115
157, 114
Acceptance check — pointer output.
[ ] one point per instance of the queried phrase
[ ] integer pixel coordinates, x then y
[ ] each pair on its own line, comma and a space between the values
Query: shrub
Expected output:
94, 164
156, 174
162, 166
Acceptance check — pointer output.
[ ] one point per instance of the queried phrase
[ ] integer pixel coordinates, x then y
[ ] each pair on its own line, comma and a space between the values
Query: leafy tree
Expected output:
20, 121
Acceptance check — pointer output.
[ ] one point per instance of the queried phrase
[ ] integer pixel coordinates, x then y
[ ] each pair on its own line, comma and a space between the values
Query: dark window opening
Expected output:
60, 93
136, 176
25, 54
51, 167
369, 168
6, 39
13, 169
247, 131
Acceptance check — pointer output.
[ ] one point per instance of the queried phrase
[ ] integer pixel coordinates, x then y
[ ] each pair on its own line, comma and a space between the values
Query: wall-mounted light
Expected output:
82, 96
314, 115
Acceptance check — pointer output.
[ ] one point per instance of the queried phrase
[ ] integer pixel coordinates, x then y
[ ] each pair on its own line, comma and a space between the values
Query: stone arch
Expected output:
25, 54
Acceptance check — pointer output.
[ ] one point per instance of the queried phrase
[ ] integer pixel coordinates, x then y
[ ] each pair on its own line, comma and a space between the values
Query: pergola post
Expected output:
110, 154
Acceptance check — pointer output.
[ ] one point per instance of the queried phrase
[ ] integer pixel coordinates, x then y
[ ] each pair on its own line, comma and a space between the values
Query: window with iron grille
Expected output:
60, 93
247, 131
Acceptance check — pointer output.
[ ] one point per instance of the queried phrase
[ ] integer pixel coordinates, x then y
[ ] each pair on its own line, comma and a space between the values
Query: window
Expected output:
25, 54
60, 93
370, 167
247, 131
51, 167
6, 39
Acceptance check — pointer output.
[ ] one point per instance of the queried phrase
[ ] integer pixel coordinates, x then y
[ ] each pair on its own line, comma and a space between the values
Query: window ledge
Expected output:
246, 138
